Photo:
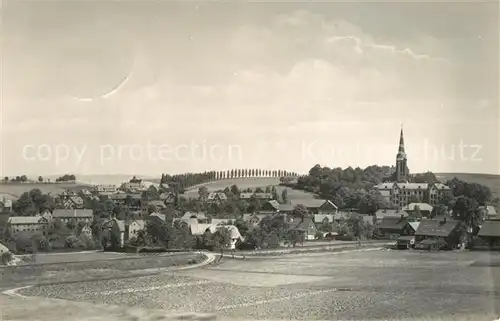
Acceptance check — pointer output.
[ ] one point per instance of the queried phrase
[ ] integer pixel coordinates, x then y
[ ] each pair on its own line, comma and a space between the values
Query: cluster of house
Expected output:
440, 232
40, 223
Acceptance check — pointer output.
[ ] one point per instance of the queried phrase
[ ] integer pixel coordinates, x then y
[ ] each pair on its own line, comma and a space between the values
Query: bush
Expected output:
44, 244
86, 242
6, 257
71, 241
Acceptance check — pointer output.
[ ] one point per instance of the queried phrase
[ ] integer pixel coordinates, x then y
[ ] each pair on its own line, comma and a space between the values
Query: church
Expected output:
402, 192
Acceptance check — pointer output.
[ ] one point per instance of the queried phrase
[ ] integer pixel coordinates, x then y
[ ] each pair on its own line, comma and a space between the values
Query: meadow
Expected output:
249, 182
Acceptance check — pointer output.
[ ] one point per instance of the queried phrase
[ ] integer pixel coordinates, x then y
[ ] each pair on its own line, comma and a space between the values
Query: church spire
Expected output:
401, 142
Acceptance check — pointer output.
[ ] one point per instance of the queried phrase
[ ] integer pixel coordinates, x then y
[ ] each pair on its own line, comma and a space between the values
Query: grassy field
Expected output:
490, 180
105, 266
17, 189
244, 183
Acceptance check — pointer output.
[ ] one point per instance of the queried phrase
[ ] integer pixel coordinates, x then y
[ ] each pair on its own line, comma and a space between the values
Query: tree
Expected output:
235, 190
40, 179
466, 209
6, 178
293, 237
24, 205
371, 202
416, 212
300, 211
202, 193
284, 196
439, 210
427, 177
357, 226
221, 239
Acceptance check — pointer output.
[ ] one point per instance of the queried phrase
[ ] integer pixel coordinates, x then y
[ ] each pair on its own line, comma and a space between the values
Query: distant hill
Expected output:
490, 180
17, 189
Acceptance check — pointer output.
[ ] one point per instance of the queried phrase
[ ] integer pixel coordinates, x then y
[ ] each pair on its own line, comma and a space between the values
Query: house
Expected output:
125, 198
489, 212
286, 208
266, 213
156, 218
133, 187
216, 198
489, 233
271, 206
424, 208
135, 227
305, 227
85, 192
393, 227
156, 203
380, 214
405, 242
115, 230
342, 216
198, 229
169, 198
234, 233
323, 218
47, 215
446, 230
5, 205
263, 196
86, 231
317, 206
222, 221
253, 219
73, 215
33, 225
199, 216
105, 189
73, 202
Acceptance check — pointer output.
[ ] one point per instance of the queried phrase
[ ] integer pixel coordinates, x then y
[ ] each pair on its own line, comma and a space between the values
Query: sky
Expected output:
170, 87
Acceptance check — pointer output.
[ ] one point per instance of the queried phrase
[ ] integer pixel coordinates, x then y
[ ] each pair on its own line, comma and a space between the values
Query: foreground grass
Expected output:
92, 270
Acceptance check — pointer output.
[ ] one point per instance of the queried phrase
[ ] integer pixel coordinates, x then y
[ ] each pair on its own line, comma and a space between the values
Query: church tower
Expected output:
402, 171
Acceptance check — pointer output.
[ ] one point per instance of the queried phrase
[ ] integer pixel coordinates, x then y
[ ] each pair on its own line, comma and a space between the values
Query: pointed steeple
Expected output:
401, 142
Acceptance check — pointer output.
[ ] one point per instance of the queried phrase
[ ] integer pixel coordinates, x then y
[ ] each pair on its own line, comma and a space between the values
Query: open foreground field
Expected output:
253, 183
17, 189
370, 285
49, 268
490, 180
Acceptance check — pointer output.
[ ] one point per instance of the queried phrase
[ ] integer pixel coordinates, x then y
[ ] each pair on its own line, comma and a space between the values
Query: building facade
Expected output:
105, 189
402, 194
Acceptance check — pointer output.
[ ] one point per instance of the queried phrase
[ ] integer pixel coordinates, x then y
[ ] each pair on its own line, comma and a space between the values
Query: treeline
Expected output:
66, 178
183, 181
22, 178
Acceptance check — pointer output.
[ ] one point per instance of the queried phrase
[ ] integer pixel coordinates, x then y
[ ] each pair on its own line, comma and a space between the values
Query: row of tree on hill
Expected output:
21, 178
24, 178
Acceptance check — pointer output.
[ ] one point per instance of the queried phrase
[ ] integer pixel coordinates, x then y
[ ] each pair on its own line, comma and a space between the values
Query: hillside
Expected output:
244, 183
490, 180
17, 189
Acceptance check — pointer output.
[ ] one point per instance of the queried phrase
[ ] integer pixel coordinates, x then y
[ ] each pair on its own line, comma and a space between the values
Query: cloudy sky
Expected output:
132, 87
